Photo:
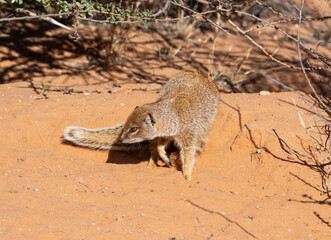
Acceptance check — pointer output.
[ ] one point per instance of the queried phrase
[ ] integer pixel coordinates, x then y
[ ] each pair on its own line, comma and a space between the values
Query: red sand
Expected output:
244, 185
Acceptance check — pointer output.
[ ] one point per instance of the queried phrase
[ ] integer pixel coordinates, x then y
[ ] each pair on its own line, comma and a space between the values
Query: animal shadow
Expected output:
122, 157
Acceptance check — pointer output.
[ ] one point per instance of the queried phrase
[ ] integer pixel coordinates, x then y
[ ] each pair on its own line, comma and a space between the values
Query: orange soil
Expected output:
245, 186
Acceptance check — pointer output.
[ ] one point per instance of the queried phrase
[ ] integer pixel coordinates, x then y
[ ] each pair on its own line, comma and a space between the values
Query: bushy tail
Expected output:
101, 138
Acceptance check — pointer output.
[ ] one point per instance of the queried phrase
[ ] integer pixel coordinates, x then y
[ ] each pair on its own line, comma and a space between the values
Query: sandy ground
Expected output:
245, 184
258, 177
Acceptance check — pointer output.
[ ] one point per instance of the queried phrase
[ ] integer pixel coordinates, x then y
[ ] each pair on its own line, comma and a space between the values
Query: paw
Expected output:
187, 177
151, 164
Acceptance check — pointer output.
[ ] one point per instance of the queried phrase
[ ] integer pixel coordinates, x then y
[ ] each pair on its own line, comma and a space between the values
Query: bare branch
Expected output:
295, 6
300, 58
271, 9
76, 35
327, 123
286, 21
322, 58
260, 46
200, 15
33, 16
162, 10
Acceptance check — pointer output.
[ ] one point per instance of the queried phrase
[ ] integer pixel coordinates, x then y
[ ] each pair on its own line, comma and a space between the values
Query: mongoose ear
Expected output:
150, 119
135, 107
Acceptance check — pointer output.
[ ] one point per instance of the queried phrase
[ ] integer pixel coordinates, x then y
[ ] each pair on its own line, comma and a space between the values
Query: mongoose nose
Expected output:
120, 139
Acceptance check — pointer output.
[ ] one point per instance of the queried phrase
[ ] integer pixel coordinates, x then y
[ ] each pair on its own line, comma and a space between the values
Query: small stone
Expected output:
291, 157
264, 93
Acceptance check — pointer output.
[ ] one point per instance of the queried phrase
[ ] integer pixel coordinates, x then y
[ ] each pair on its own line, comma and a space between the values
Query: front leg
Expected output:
152, 163
161, 146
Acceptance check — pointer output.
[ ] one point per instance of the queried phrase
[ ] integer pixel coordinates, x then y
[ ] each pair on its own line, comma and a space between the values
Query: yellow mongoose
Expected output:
183, 114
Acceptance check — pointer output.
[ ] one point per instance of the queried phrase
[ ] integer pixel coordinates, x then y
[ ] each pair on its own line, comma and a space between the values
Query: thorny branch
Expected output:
76, 35
327, 125
162, 10
32, 15
267, 24
195, 14
326, 61
299, 52
200, 15
323, 59
310, 85
230, 8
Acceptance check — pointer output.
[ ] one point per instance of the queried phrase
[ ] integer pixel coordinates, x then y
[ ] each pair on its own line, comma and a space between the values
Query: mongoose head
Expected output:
140, 126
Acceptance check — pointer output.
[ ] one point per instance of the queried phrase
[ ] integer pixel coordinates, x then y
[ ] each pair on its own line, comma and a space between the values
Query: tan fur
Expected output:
101, 138
183, 114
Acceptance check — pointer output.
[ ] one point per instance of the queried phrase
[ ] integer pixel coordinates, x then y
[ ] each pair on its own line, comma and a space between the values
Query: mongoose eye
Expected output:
133, 129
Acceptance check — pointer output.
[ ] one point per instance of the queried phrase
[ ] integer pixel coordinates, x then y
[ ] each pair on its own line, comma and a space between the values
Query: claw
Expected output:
168, 163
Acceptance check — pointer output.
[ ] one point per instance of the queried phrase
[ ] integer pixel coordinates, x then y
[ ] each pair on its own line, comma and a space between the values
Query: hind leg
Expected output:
188, 154
200, 144
187, 157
